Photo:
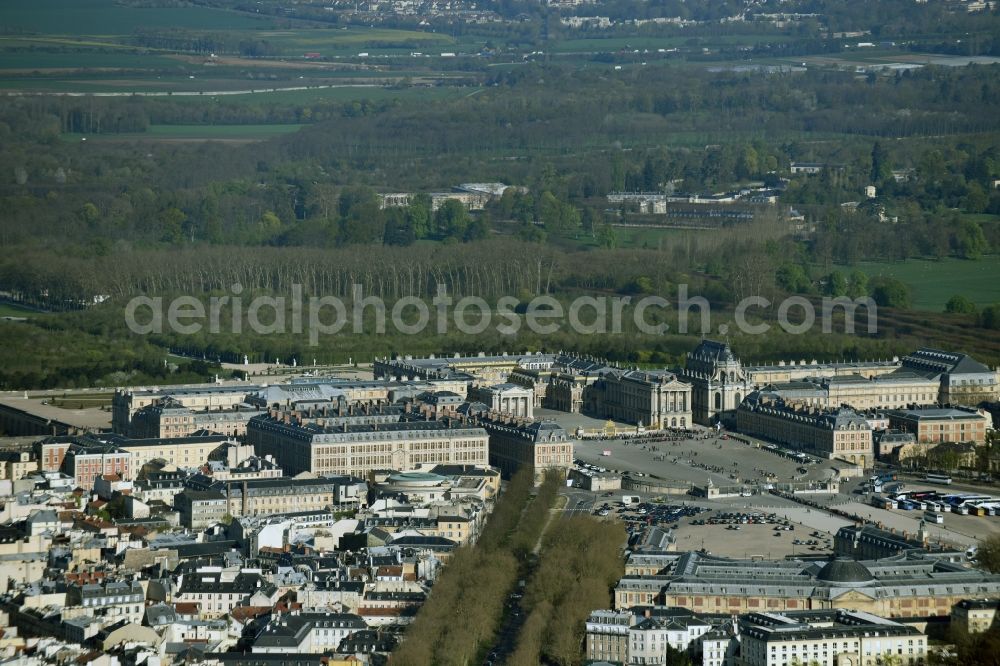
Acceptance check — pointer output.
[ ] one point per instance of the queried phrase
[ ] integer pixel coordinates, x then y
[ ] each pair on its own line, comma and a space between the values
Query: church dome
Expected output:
845, 570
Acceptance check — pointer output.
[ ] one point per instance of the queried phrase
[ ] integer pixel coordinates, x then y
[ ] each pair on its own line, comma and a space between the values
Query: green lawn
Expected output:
15, 310
933, 282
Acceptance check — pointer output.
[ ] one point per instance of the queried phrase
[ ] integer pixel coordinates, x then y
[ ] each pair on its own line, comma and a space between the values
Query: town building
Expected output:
188, 451
112, 601
867, 542
537, 445
974, 616
201, 398
51, 451
942, 424
168, 418
643, 634
262, 497
89, 457
359, 449
15, 465
217, 593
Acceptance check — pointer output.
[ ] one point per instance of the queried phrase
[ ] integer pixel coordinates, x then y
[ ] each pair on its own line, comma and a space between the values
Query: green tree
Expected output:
990, 317
418, 215
89, 214
881, 168
959, 304
172, 224
836, 284
976, 199
747, 163
857, 284
890, 293
606, 236
969, 240
451, 219
988, 553
793, 278
269, 224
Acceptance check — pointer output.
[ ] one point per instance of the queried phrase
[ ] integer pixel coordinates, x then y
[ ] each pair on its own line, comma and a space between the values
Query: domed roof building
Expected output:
845, 570
910, 585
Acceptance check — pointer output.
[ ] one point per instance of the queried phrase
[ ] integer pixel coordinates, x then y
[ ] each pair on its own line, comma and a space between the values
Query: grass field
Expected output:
932, 283
106, 17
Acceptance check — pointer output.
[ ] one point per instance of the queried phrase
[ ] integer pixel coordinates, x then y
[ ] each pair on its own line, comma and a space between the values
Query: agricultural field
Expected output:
932, 283
108, 18
652, 44
90, 46
351, 41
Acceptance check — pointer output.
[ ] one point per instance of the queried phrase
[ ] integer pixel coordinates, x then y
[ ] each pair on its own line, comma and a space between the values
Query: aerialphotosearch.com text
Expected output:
318, 316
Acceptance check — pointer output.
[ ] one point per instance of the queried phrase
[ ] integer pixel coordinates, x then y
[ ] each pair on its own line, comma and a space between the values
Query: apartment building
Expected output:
112, 601
263, 497
643, 634
827, 638
300, 632
217, 593
16, 465
89, 457
188, 451
199, 509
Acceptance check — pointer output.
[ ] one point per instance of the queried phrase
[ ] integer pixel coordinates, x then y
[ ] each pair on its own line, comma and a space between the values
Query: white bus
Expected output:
934, 517
938, 478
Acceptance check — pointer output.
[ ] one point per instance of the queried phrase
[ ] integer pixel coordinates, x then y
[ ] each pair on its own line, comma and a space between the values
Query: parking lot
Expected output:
716, 528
